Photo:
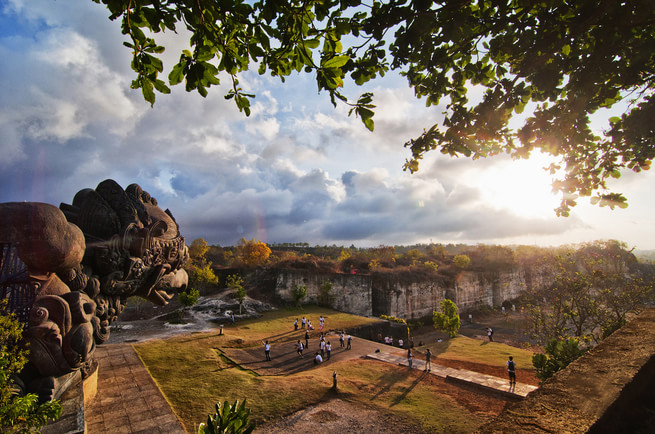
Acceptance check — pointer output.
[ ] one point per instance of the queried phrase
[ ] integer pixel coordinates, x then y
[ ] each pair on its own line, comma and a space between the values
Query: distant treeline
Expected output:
429, 258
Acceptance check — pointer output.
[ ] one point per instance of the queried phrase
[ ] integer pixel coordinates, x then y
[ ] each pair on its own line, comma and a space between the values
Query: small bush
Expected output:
231, 419
559, 354
188, 298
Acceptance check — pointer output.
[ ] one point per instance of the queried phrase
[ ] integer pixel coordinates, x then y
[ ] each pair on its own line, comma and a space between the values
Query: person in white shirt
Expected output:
318, 359
267, 351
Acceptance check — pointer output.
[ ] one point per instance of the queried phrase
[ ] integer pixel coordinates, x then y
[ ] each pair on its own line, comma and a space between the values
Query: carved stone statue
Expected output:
68, 272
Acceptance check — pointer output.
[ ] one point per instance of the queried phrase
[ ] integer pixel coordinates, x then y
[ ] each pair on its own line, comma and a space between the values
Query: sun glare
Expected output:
520, 186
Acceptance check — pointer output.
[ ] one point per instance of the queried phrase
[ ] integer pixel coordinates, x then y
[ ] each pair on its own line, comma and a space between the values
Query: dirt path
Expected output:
339, 416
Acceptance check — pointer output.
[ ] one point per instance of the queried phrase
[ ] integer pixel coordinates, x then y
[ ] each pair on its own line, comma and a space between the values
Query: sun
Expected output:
520, 186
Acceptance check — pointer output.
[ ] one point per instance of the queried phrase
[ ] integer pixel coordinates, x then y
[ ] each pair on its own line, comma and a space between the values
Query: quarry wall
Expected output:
404, 297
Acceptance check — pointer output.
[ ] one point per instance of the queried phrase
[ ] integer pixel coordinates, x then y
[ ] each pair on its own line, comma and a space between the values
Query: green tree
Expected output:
299, 292
229, 419
559, 354
594, 290
199, 269
235, 282
325, 296
448, 319
559, 61
18, 414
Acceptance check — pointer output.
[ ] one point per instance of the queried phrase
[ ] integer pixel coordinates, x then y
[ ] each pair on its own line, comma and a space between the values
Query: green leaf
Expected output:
147, 90
177, 74
311, 43
335, 62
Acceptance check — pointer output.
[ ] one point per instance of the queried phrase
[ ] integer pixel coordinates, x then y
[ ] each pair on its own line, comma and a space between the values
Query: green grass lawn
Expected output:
477, 351
193, 374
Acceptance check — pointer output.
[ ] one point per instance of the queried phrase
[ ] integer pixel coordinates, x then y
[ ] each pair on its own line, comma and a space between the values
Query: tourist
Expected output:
267, 351
342, 340
409, 358
349, 341
428, 358
334, 380
295, 324
391, 340
401, 343
318, 359
511, 370
322, 347
309, 325
299, 348
490, 334
328, 349
304, 322
306, 338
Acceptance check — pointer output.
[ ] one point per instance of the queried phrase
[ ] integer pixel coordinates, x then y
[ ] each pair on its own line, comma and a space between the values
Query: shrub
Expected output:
559, 354
188, 298
461, 261
231, 419
18, 413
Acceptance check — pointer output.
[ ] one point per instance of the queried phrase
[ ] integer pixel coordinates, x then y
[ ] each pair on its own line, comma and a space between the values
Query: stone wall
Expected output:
388, 294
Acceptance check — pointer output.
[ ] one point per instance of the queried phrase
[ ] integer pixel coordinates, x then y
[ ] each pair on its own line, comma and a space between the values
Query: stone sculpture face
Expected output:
132, 248
78, 265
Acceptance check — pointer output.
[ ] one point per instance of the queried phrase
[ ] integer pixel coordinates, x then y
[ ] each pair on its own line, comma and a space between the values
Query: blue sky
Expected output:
295, 170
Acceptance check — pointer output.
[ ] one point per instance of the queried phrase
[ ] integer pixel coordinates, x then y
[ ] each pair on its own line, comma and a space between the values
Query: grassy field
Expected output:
193, 374
477, 351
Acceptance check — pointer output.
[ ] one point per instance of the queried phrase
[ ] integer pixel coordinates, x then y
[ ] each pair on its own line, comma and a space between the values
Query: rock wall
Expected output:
406, 300
350, 293
473, 290
375, 295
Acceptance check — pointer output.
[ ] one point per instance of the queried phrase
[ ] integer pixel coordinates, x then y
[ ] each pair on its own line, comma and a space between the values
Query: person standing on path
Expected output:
490, 334
267, 351
322, 348
307, 338
295, 324
334, 380
349, 342
304, 322
299, 348
328, 349
428, 358
511, 370
409, 358
342, 339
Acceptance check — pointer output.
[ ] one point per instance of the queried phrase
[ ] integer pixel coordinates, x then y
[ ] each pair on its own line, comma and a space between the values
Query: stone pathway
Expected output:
128, 400
484, 381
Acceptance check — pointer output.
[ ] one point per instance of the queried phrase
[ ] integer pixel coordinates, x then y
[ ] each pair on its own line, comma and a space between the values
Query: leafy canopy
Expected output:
448, 319
559, 61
